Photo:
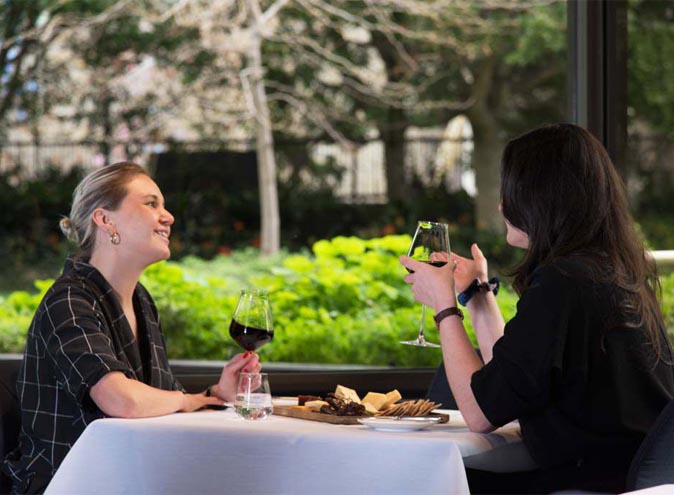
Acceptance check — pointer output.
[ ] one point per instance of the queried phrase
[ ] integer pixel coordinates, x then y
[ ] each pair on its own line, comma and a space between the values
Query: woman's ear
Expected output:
101, 218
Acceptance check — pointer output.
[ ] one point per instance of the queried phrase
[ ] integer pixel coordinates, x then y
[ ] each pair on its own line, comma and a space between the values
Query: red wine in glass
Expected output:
434, 263
250, 338
251, 325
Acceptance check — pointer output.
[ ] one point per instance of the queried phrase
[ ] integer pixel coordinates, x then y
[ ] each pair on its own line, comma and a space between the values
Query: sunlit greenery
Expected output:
344, 302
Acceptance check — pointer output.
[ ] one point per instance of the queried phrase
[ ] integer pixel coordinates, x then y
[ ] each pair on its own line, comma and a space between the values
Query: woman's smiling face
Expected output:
143, 222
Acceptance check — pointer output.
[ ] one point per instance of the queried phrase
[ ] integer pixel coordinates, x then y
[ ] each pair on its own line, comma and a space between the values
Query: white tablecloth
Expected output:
655, 490
216, 452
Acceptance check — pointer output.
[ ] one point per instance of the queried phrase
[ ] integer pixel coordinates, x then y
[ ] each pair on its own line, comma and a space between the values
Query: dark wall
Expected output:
214, 197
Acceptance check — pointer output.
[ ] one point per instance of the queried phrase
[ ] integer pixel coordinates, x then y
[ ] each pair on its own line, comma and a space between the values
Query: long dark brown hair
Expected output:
559, 186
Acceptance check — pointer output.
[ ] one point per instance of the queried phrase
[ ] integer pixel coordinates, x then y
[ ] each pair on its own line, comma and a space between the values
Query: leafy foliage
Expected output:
16, 313
30, 210
651, 63
211, 222
345, 302
667, 302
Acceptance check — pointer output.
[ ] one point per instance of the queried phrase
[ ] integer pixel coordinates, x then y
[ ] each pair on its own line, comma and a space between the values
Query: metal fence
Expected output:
361, 166
360, 176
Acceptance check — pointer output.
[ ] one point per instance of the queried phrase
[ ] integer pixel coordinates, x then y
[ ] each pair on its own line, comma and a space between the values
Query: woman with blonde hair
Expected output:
95, 347
585, 365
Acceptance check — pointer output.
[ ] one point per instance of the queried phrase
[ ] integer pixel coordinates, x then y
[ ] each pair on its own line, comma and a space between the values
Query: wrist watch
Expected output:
451, 311
477, 286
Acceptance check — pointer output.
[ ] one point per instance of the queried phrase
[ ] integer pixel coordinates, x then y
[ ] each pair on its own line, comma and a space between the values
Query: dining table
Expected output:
209, 452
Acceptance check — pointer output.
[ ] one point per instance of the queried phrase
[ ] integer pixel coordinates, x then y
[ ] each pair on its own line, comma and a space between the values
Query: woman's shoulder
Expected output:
577, 278
567, 278
77, 282
69, 291
571, 269
70, 296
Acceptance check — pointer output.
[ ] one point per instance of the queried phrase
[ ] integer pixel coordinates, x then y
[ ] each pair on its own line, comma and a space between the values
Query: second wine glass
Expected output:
429, 238
251, 325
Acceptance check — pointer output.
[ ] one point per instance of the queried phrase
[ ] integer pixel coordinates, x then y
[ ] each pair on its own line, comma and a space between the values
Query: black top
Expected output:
584, 390
79, 333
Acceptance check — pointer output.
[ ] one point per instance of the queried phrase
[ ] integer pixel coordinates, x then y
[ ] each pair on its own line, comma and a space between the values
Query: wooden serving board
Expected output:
291, 412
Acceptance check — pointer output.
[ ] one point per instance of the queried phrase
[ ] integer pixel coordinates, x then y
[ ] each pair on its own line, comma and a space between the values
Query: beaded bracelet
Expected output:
475, 286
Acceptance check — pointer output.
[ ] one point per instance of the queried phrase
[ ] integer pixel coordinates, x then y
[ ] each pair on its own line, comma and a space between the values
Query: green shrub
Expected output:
346, 302
667, 302
16, 313
31, 206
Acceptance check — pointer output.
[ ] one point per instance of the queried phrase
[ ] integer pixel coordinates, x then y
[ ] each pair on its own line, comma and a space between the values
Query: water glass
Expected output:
253, 397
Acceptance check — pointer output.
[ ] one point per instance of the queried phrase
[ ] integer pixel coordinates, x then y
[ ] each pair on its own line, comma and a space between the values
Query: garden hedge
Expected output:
345, 302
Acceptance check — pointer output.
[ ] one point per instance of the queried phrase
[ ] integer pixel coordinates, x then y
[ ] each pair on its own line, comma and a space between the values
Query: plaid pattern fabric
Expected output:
79, 333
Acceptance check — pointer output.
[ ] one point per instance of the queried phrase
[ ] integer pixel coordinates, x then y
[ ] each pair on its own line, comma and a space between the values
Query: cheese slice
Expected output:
347, 393
391, 398
300, 408
375, 399
315, 405
369, 408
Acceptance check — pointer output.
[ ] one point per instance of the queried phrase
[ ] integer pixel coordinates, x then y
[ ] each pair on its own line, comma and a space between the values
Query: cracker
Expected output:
421, 407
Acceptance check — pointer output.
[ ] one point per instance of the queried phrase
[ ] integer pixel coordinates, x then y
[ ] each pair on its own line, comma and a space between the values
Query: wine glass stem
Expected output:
421, 338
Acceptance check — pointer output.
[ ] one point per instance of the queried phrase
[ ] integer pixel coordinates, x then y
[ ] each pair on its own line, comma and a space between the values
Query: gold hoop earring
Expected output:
114, 238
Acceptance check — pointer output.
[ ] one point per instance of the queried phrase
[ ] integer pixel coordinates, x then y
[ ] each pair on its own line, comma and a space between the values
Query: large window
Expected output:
650, 118
381, 114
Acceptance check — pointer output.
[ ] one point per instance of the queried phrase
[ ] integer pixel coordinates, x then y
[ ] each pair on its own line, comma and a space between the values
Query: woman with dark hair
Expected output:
585, 365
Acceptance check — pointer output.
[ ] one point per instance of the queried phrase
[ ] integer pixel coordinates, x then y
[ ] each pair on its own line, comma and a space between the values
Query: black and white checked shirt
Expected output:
79, 333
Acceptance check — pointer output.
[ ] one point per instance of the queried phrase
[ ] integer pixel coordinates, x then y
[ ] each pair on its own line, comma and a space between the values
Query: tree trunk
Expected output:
393, 135
487, 147
486, 162
393, 126
270, 222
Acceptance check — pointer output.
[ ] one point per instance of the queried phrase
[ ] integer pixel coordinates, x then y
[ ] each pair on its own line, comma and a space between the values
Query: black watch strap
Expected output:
447, 312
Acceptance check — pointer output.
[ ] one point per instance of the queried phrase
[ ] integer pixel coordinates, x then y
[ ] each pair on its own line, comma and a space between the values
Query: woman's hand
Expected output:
248, 362
468, 270
194, 402
431, 285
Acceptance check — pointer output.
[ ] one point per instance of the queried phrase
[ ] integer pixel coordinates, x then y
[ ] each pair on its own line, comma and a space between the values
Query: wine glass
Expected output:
253, 398
430, 237
251, 325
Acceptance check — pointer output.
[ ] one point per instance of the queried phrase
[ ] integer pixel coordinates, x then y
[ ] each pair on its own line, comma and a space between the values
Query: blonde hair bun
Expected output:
68, 230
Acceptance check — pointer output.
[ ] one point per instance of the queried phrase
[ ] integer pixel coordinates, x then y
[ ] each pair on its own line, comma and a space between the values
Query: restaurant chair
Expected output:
439, 390
10, 413
653, 464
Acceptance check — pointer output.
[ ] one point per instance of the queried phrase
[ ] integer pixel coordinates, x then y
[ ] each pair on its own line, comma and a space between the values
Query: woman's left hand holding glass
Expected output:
247, 362
432, 286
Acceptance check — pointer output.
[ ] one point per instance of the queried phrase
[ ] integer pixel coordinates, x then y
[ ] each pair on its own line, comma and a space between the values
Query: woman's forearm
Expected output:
121, 397
461, 362
487, 322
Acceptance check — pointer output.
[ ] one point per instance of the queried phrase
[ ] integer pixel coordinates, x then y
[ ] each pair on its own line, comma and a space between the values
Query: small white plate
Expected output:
404, 423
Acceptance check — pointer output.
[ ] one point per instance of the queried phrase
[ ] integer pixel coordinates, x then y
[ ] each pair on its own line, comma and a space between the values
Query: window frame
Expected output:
597, 72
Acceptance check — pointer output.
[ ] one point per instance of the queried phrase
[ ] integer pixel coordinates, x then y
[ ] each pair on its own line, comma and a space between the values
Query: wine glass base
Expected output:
419, 343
